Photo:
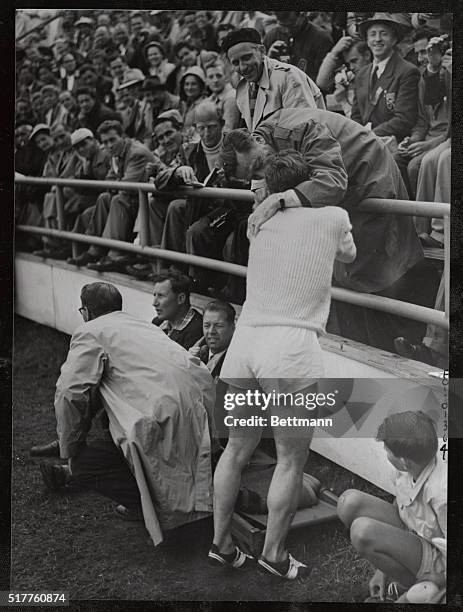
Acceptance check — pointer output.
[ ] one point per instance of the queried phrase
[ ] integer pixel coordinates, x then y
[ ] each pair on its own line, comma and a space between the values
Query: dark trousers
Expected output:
378, 329
101, 467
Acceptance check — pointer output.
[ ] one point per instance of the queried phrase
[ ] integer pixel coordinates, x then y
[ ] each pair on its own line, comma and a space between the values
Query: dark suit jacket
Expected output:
190, 154
392, 106
221, 388
131, 165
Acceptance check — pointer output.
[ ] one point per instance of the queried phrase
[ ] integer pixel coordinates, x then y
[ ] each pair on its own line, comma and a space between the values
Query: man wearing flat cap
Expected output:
95, 166
386, 91
266, 84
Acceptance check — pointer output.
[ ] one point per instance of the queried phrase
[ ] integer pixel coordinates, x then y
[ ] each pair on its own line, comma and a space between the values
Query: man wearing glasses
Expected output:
154, 458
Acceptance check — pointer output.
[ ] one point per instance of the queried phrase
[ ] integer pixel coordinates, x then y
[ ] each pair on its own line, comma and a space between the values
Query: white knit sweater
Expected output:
291, 265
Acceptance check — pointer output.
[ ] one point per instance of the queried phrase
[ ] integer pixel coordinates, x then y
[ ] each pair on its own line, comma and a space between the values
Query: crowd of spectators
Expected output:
149, 95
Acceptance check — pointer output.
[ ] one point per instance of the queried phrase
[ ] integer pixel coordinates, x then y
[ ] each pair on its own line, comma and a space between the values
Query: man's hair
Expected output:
236, 141
411, 435
214, 63
116, 56
85, 91
175, 124
424, 32
180, 283
361, 46
153, 84
225, 307
225, 27
210, 108
110, 124
101, 298
50, 89
184, 43
284, 170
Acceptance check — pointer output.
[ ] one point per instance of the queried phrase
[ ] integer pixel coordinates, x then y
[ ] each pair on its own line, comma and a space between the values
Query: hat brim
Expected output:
399, 29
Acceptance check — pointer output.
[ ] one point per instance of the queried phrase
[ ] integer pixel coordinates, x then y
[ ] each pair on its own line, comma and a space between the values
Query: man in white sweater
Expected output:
275, 348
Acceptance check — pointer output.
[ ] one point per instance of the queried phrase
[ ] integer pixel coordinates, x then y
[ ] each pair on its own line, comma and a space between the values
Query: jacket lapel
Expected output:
261, 99
383, 83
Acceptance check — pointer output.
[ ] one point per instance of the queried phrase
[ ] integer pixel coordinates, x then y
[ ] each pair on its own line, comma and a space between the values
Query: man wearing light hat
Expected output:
386, 92
133, 115
95, 167
267, 85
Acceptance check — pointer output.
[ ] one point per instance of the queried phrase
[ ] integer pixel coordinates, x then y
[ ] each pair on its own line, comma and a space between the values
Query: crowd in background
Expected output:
145, 95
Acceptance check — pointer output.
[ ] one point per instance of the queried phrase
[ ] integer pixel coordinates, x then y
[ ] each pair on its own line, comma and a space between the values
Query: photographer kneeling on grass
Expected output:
155, 461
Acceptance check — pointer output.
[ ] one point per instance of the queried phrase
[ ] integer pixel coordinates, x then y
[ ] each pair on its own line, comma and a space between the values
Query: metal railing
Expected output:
407, 207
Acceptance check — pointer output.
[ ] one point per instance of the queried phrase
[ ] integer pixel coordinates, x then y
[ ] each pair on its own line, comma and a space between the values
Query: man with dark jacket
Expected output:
296, 38
348, 164
174, 314
92, 112
115, 214
218, 329
386, 91
95, 167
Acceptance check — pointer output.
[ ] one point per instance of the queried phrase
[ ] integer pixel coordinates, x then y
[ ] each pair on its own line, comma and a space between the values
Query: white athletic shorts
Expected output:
273, 357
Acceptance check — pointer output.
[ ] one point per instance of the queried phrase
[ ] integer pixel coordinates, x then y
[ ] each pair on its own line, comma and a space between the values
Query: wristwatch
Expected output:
282, 204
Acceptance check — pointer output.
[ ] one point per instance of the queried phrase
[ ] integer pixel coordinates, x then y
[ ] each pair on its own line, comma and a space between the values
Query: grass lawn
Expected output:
76, 543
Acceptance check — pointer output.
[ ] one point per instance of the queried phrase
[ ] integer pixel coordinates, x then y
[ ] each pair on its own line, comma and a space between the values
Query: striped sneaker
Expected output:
289, 569
235, 560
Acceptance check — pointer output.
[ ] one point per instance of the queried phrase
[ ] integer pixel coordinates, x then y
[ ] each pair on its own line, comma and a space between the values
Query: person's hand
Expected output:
186, 174
259, 196
342, 45
447, 60
377, 585
276, 48
265, 211
196, 348
418, 148
151, 169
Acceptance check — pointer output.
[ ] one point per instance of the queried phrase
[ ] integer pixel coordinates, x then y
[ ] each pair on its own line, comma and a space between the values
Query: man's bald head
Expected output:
207, 111
208, 123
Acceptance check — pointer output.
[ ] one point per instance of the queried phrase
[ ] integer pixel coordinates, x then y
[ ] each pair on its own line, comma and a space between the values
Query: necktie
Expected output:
253, 89
374, 77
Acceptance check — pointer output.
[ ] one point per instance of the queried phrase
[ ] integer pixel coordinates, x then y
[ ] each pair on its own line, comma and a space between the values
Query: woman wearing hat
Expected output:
192, 92
157, 64
386, 92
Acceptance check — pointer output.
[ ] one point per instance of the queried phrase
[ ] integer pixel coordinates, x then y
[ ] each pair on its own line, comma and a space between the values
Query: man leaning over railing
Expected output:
387, 245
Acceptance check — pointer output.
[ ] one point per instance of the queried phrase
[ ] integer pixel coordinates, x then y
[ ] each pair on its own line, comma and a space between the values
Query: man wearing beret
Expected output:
266, 84
386, 92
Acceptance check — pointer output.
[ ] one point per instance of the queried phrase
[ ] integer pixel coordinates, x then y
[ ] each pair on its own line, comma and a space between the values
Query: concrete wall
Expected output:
48, 293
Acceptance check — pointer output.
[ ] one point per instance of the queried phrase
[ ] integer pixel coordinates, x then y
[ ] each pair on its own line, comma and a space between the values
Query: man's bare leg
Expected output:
227, 479
284, 491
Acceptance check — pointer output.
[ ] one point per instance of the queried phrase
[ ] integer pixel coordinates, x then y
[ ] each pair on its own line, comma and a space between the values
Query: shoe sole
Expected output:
267, 570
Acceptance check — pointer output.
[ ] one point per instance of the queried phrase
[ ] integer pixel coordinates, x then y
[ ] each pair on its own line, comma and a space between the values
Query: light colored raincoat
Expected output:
156, 396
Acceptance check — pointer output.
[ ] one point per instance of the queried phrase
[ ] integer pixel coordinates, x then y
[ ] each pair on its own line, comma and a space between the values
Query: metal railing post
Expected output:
144, 233
60, 207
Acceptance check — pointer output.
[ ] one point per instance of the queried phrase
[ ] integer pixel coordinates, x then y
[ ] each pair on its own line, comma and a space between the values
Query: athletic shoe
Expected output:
235, 560
288, 570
